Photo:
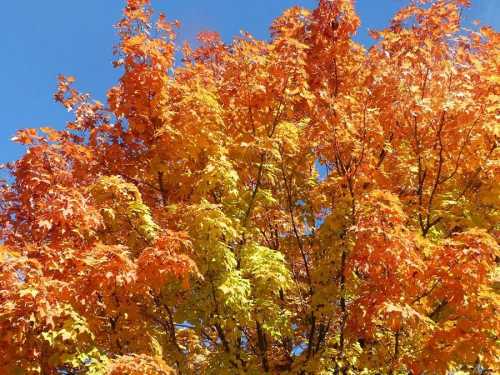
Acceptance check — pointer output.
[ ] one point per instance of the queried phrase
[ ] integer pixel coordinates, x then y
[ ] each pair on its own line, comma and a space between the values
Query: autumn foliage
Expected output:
300, 205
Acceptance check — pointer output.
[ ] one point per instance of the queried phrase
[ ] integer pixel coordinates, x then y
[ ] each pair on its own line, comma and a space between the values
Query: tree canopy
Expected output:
301, 205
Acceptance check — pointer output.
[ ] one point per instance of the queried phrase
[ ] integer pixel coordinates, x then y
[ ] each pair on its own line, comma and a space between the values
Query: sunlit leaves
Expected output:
298, 205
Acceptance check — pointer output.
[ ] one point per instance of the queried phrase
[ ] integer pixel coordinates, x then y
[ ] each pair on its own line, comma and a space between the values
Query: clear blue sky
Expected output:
41, 39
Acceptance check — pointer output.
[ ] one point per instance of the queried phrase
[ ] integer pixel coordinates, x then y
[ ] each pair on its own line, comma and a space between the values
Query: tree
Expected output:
299, 205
